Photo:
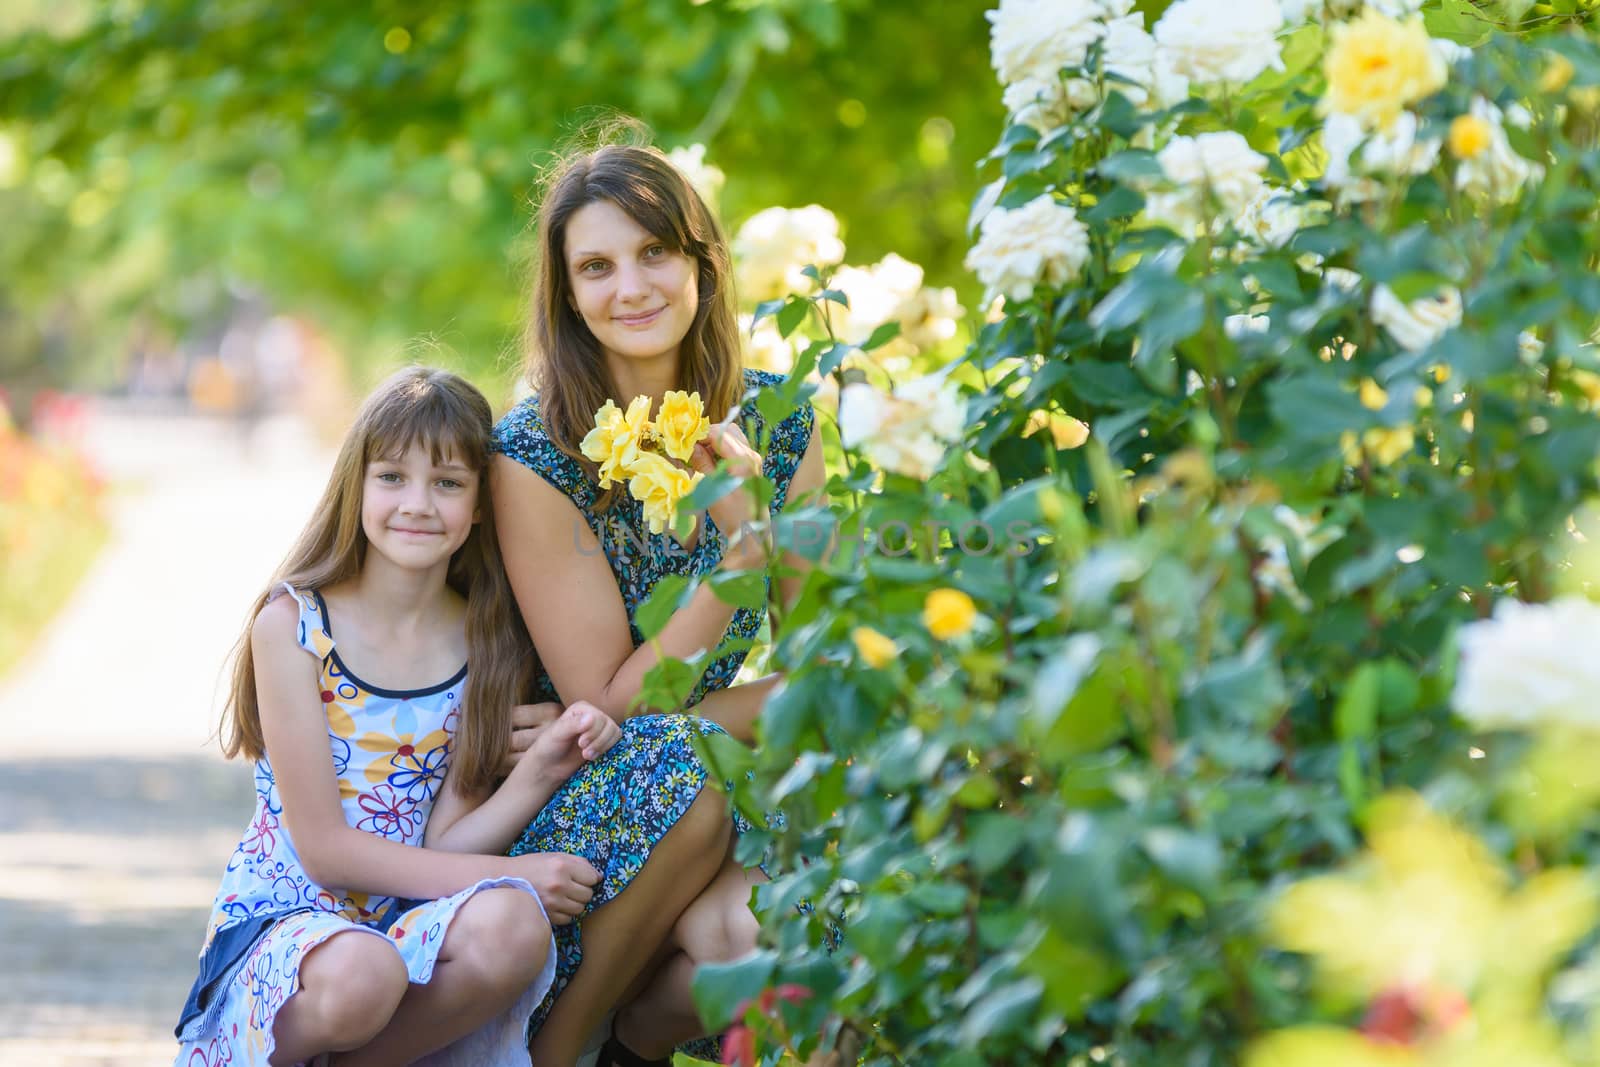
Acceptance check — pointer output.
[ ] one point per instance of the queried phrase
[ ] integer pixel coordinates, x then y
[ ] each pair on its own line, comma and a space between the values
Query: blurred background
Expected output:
221, 223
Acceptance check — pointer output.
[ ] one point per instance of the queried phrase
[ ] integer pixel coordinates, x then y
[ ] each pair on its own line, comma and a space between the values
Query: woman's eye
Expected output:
594, 266
655, 251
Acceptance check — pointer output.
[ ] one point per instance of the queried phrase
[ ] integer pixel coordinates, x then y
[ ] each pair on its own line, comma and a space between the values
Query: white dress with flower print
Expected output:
390, 752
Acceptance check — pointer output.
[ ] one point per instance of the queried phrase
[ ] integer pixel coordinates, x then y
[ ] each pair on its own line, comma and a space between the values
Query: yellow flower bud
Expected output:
948, 613
1469, 136
876, 650
1373, 396
1556, 75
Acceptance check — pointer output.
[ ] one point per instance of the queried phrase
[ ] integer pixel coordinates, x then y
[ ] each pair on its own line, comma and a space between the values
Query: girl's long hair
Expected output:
563, 361
444, 414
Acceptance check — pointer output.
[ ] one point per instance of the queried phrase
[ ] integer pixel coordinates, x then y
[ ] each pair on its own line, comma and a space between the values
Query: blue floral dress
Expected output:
614, 811
390, 751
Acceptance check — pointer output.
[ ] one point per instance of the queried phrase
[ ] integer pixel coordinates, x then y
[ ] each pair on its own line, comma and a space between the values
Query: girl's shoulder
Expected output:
297, 615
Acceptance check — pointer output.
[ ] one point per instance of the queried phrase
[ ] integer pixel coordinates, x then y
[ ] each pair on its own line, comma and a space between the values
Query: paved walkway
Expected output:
116, 813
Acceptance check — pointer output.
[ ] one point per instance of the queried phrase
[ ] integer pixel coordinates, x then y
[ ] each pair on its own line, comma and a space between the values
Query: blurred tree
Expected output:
371, 165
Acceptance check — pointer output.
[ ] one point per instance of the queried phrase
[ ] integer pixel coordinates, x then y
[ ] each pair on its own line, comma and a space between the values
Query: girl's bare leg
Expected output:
350, 985
621, 937
494, 949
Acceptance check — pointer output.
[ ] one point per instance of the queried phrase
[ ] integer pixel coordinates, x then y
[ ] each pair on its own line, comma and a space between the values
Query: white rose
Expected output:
1034, 39
1041, 242
876, 294
1498, 171
1346, 281
908, 432
1358, 161
706, 179
1416, 325
1272, 217
929, 318
1237, 327
765, 347
1529, 348
1531, 665
1221, 164
773, 246
1221, 40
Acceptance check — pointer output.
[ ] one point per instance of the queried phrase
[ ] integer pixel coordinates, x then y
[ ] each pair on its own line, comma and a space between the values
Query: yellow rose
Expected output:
948, 613
1376, 66
617, 438
877, 651
659, 485
681, 423
1384, 445
1469, 136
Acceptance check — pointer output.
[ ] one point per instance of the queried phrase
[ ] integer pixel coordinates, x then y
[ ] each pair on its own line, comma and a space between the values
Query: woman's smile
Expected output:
643, 318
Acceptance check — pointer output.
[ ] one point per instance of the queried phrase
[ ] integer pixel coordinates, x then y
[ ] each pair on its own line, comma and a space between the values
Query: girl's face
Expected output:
636, 296
416, 512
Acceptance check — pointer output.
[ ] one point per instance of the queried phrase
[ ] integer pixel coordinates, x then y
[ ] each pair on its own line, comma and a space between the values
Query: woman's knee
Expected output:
350, 986
500, 937
707, 825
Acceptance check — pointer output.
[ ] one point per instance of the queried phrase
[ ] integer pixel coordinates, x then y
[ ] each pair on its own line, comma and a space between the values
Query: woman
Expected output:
634, 297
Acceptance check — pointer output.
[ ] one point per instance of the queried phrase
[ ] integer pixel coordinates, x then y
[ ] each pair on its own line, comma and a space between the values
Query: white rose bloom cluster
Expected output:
1205, 174
775, 245
1040, 243
1358, 162
1531, 665
929, 318
706, 178
1497, 172
908, 432
1229, 41
1032, 41
876, 294
1416, 325
765, 347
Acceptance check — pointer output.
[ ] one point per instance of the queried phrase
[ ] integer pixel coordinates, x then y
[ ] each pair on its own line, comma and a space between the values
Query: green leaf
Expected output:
720, 988
881, 336
742, 589
653, 615
793, 314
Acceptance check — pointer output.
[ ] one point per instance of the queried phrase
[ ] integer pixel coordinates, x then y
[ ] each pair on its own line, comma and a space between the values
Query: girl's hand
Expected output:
526, 722
583, 732
564, 882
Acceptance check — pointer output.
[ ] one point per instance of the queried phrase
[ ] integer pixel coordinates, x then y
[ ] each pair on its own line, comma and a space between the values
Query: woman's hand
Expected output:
735, 511
564, 882
526, 722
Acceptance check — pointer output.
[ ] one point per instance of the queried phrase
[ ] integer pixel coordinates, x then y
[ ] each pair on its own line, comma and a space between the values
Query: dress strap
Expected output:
313, 633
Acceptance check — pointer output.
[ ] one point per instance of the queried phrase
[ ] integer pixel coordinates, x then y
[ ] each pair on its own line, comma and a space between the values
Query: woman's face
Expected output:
637, 296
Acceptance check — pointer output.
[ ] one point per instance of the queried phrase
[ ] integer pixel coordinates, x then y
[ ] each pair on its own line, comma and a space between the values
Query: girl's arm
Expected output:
570, 601
295, 729
489, 821
334, 854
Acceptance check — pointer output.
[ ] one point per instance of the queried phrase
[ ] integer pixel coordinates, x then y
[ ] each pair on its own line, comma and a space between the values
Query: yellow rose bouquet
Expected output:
630, 447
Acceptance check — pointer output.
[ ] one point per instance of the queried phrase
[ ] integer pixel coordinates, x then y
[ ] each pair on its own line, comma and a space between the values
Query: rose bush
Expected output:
1274, 660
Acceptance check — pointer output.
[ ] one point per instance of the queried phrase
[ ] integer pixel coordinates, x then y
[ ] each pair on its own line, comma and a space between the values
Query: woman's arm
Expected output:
335, 855
570, 601
737, 707
805, 490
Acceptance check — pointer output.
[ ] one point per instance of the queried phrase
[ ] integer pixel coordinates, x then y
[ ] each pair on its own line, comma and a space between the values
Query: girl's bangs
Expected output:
446, 430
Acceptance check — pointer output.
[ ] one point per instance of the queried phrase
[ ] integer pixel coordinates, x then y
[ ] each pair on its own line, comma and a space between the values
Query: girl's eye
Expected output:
388, 476
450, 483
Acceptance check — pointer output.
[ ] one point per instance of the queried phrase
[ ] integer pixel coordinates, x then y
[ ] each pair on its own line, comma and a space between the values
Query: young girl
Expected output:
634, 296
371, 739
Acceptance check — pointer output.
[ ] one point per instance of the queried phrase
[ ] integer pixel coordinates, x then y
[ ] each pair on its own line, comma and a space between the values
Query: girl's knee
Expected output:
351, 985
500, 937
718, 926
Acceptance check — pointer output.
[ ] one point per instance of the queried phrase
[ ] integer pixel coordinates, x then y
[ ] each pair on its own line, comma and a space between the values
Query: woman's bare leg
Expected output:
717, 927
621, 936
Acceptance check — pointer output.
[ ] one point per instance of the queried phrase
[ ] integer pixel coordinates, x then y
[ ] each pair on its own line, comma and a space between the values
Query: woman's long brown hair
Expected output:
564, 362
446, 415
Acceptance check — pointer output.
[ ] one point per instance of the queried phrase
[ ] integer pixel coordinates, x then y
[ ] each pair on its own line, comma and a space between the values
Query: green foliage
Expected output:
1049, 838
371, 167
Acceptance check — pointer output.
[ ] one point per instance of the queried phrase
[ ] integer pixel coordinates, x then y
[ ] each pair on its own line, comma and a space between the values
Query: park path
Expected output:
117, 814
